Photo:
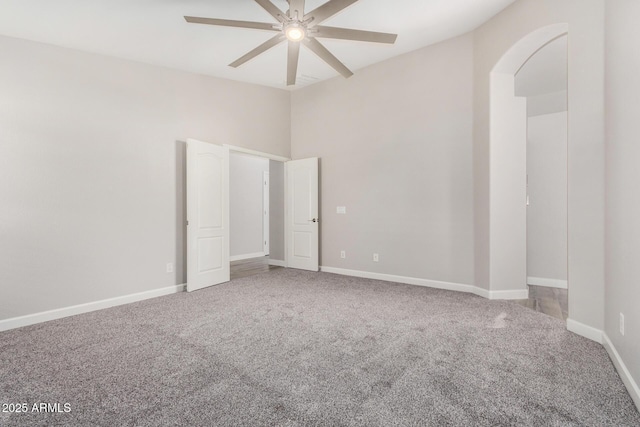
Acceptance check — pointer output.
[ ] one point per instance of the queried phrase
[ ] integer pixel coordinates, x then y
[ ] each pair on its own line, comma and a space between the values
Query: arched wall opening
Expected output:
508, 167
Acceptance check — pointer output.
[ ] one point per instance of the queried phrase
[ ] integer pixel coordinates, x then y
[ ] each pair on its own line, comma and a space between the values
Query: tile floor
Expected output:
250, 267
550, 301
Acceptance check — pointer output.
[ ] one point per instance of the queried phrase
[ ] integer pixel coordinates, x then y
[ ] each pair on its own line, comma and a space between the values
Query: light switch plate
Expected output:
341, 210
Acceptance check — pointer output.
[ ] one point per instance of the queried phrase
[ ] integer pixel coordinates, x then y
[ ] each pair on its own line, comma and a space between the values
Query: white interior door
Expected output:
302, 214
207, 215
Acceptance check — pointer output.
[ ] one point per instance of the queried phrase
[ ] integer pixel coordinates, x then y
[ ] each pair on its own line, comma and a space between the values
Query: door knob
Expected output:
314, 220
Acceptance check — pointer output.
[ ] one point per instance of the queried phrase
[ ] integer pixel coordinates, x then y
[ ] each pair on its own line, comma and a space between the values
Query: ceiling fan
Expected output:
297, 27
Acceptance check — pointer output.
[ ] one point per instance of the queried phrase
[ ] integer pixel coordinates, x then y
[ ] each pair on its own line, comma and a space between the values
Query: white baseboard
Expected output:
277, 262
246, 256
501, 295
585, 331
549, 283
45, 316
625, 375
481, 292
601, 338
400, 279
509, 294
494, 295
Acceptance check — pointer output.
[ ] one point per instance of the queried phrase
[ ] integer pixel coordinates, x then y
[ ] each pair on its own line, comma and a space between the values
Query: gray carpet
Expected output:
292, 348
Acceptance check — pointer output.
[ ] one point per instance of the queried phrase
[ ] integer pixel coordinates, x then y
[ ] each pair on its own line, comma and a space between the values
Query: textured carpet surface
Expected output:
293, 348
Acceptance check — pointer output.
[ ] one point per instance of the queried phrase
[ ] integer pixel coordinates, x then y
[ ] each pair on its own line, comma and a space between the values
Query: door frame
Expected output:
281, 159
266, 216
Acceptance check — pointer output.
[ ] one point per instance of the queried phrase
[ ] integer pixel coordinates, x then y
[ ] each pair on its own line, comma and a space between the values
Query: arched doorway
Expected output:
508, 164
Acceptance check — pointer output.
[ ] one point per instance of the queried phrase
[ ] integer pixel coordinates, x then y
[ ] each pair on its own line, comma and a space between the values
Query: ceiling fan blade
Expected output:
230, 23
358, 35
274, 41
292, 62
296, 5
327, 10
316, 47
272, 9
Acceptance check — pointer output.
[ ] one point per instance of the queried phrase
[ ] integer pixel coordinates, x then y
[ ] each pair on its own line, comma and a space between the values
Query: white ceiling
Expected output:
545, 72
154, 32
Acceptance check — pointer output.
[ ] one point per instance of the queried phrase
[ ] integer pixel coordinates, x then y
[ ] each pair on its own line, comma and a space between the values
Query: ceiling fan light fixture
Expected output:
299, 28
295, 32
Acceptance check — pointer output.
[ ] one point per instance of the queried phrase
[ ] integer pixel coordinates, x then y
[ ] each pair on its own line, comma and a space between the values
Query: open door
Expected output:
302, 214
207, 215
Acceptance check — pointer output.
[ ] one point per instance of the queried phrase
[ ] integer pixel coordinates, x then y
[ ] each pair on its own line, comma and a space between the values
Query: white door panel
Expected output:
302, 214
208, 215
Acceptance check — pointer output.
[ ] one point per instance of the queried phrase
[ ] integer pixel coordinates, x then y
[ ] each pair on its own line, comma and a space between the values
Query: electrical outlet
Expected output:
376, 258
341, 210
169, 267
343, 254
621, 324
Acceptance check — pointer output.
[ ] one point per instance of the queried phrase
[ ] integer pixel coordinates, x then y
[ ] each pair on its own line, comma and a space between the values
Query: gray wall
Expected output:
276, 210
547, 210
246, 174
586, 135
623, 176
395, 144
91, 169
